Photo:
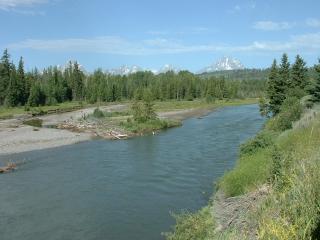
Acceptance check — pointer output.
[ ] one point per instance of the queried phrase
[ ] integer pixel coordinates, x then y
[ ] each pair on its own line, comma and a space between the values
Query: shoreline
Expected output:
15, 137
18, 138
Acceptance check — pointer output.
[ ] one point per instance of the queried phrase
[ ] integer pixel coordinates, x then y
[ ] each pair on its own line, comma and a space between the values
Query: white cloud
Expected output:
272, 26
307, 43
14, 4
243, 7
313, 22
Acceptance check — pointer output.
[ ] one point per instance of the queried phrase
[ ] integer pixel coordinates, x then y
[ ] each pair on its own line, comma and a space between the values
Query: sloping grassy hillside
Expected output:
287, 161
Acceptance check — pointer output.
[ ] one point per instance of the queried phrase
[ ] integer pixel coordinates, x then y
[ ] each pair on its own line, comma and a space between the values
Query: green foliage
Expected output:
250, 171
262, 140
5, 72
315, 90
263, 107
299, 78
292, 210
34, 122
144, 111
37, 96
291, 111
53, 86
97, 113
285, 82
193, 226
148, 126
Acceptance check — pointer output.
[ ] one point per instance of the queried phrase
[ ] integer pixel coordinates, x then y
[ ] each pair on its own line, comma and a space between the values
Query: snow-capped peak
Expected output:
125, 70
225, 63
167, 68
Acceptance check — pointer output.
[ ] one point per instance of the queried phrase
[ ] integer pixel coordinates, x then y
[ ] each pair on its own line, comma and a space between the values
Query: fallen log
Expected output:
10, 167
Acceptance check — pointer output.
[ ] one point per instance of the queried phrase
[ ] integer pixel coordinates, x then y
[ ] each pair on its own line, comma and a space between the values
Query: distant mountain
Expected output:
223, 64
127, 70
124, 70
168, 68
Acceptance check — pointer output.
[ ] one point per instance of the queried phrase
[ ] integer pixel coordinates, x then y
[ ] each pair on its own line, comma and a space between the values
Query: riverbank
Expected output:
273, 191
16, 137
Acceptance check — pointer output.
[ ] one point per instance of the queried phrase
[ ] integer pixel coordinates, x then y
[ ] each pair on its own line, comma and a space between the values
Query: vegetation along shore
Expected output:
273, 190
59, 106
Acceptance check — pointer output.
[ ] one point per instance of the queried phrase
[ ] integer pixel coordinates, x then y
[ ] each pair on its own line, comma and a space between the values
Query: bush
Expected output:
149, 126
196, 226
262, 140
250, 171
97, 113
290, 111
35, 122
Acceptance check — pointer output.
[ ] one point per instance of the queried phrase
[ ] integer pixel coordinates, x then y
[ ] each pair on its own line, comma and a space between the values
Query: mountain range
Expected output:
225, 63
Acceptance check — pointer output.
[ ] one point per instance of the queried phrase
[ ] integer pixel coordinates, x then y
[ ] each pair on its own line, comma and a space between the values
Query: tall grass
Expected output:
193, 226
293, 210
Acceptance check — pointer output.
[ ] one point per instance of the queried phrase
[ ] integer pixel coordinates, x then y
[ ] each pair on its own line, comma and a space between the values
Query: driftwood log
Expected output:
10, 167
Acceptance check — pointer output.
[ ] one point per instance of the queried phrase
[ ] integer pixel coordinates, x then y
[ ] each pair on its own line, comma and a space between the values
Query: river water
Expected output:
122, 189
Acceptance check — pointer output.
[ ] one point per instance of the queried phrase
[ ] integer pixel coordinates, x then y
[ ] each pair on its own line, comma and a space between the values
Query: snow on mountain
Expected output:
167, 68
125, 70
225, 63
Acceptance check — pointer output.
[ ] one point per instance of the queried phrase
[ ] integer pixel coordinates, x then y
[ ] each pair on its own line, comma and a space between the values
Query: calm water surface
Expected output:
121, 189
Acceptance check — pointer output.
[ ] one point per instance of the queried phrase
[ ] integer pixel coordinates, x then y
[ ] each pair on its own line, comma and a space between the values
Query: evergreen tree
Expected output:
78, 82
284, 73
12, 97
149, 112
299, 78
21, 83
5, 71
275, 89
316, 89
36, 96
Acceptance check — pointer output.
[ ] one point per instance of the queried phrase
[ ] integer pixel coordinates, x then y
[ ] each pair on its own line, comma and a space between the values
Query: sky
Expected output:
189, 34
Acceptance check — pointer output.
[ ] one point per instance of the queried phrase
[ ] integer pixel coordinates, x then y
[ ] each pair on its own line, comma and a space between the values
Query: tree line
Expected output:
56, 85
286, 81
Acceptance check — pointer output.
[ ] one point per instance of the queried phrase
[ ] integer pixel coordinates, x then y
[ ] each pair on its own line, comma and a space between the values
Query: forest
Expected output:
53, 85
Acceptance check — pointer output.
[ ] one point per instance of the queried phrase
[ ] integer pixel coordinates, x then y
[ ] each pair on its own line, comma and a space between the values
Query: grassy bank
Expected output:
163, 106
6, 113
124, 122
285, 158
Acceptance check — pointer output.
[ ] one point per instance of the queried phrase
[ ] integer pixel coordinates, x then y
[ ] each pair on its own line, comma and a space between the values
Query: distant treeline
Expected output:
288, 83
240, 74
249, 74
55, 85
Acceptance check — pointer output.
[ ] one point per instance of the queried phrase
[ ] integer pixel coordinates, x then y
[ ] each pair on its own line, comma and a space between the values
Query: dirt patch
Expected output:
233, 213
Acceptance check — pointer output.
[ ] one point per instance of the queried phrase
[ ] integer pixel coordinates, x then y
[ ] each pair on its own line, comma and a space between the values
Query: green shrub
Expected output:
250, 171
35, 122
290, 111
196, 226
149, 126
262, 140
97, 113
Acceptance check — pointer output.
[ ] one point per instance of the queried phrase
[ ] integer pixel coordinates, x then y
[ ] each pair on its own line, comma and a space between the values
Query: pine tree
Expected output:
12, 97
284, 73
5, 71
275, 89
78, 82
316, 89
299, 77
36, 96
21, 82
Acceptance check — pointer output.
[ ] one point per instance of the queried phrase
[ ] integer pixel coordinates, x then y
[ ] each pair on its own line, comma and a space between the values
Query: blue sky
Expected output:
188, 34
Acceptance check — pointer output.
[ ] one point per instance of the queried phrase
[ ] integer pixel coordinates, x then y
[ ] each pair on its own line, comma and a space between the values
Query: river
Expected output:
122, 189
